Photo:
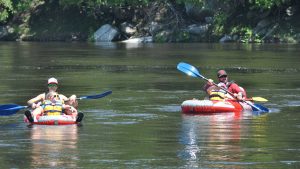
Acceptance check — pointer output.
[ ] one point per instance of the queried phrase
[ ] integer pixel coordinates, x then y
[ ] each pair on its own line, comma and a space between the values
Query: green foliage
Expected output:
6, 9
21, 6
93, 3
219, 22
91, 37
195, 2
289, 38
160, 37
182, 36
10, 7
94, 6
267, 4
246, 34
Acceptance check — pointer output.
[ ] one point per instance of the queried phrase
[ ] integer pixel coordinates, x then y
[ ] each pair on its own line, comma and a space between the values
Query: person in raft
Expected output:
52, 87
216, 93
53, 106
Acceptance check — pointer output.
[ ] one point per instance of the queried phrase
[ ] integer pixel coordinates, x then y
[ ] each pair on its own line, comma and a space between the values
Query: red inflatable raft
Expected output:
53, 120
210, 106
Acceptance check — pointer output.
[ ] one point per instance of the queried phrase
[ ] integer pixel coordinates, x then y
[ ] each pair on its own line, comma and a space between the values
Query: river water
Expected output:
140, 125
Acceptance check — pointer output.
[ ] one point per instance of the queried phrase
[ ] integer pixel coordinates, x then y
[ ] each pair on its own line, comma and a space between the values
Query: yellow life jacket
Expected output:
216, 95
53, 108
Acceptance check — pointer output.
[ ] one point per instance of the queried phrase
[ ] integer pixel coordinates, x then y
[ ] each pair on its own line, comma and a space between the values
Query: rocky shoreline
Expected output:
159, 22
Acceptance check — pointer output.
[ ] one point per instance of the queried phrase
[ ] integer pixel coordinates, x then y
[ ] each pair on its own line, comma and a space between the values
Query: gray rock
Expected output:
147, 39
297, 37
106, 33
3, 31
197, 29
209, 20
226, 38
155, 27
235, 37
261, 26
290, 11
128, 28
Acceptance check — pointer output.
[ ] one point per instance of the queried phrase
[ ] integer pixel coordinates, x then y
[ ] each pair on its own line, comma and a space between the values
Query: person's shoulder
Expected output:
231, 83
63, 96
234, 84
42, 95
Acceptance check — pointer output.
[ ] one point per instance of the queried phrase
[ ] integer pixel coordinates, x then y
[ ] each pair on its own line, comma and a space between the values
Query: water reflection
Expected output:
54, 146
111, 45
106, 45
207, 138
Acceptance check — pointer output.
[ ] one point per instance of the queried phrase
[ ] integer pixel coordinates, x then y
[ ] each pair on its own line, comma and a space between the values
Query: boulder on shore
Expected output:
106, 33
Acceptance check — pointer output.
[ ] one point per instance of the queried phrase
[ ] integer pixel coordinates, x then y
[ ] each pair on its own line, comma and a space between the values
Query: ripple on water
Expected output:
274, 110
170, 108
112, 117
8, 145
294, 103
118, 123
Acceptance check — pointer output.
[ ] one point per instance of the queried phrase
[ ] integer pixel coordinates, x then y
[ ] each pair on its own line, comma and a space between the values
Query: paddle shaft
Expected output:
253, 99
10, 109
218, 86
259, 99
96, 96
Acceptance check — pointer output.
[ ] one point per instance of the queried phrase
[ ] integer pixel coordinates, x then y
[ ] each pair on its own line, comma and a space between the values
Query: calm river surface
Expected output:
141, 125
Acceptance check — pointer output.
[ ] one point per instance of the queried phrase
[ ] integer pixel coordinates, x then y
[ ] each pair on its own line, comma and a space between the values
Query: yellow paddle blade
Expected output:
259, 99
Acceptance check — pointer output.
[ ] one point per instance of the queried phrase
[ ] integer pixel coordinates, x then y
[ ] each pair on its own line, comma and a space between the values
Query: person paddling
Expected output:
231, 86
38, 100
52, 86
54, 106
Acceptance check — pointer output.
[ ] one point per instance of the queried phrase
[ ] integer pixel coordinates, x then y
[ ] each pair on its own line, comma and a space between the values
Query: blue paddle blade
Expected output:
188, 69
261, 108
98, 96
9, 109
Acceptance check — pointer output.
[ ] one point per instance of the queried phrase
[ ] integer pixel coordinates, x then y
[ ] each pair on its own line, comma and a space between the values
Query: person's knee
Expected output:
37, 111
72, 101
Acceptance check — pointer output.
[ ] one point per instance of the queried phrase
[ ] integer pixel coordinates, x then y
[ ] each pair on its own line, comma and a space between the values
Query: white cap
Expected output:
52, 80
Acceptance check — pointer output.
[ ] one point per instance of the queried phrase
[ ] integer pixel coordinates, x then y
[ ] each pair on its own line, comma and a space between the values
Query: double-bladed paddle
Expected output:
97, 96
256, 99
10, 109
192, 71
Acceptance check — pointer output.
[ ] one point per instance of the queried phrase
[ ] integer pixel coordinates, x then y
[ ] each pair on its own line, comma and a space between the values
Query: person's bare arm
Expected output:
63, 97
35, 101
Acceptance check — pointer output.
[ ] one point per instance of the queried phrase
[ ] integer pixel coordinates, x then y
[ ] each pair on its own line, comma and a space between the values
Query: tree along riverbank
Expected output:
243, 21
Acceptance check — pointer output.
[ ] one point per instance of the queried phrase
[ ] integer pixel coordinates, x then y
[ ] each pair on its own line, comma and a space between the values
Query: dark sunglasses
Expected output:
52, 85
56, 96
223, 76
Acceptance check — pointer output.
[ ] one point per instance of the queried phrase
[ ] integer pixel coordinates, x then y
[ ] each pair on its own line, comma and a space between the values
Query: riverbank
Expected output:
160, 21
